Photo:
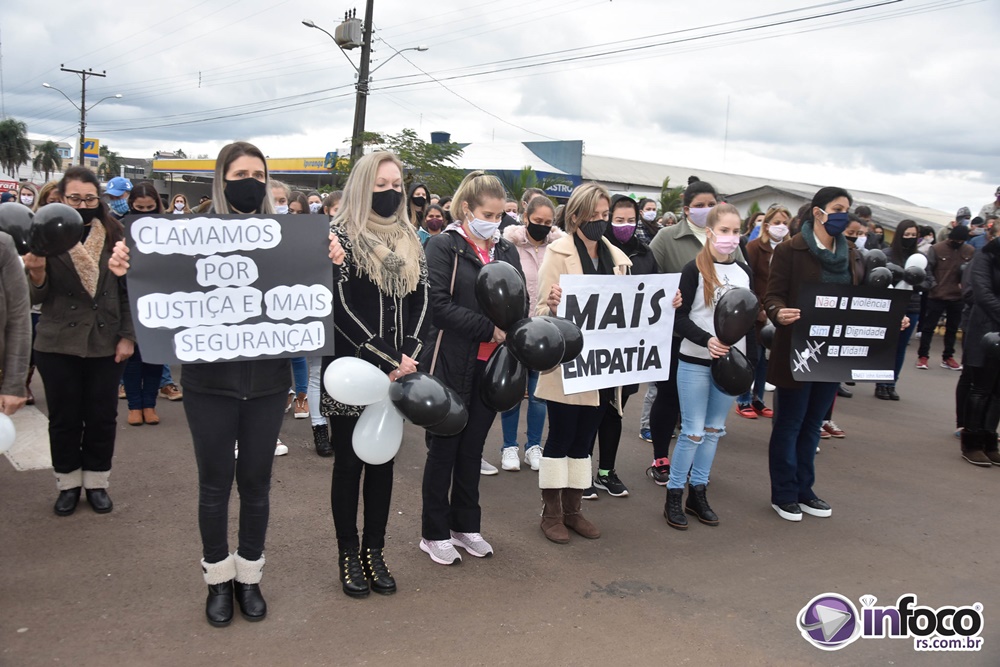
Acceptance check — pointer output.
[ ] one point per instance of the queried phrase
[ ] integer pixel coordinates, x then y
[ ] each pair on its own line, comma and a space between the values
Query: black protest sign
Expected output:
847, 333
226, 287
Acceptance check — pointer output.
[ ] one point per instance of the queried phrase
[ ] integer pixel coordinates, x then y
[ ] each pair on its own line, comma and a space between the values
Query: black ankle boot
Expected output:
697, 505
674, 510
99, 500
352, 574
377, 573
67, 501
252, 604
321, 438
219, 605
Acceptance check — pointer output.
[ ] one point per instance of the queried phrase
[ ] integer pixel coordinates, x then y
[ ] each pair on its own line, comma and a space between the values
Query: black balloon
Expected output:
767, 335
991, 345
505, 380
879, 277
55, 229
897, 272
422, 399
733, 373
914, 275
456, 419
15, 219
501, 294
572, 336
735, 314
536, 343
875, 259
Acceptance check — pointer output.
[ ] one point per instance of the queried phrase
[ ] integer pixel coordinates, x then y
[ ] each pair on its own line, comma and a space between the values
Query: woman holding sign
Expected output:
380, 312
819, 253
704, 405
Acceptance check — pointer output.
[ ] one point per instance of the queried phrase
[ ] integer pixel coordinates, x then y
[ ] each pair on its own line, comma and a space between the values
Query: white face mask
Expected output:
281, 209
315, 207
178, 206
27, 200
649, 216
483, 229
777, 232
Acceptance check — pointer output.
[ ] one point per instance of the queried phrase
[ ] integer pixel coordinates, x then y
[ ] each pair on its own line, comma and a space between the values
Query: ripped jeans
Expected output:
703, 421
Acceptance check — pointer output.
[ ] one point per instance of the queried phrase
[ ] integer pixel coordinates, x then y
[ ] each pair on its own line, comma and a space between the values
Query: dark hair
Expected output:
693, 179
114, 228
977, 222
899, 253
444, 200
331, 200
297, 196
435, 207
926, 230
417, 186
823, 197
145, 189
537, 202
314, 193
851, 217
646, 200
698, 187
863, 212
531, 193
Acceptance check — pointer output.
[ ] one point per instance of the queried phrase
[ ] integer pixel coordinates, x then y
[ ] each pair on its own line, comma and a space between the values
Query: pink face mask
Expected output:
725, 245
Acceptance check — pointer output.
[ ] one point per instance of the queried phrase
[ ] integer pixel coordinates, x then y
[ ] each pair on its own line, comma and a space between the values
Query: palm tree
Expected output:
527, 178
47, 158
111, 163
671, 199
15, 149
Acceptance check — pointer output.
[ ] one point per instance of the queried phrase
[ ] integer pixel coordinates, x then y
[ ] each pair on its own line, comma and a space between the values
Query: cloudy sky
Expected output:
895, 96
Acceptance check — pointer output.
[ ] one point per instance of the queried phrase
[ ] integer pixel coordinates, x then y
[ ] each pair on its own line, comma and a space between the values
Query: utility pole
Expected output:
83, 99
361, 105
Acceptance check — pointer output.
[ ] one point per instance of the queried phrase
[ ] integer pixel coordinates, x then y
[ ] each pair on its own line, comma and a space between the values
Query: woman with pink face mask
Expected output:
717, 269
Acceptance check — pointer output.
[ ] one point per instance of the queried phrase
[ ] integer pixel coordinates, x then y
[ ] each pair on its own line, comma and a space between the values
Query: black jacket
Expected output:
985, 316
458, 325
643, 261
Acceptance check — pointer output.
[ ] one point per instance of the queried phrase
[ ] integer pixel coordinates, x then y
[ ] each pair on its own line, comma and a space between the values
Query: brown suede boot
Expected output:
150, 417
135, 417
552, 516
572, 502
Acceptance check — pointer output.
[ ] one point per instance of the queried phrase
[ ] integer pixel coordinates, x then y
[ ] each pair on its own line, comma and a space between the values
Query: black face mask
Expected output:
418, 202
594, 229
538, 232
908, 244
88, 214
245, 195
851, 239
879, 237
386, 202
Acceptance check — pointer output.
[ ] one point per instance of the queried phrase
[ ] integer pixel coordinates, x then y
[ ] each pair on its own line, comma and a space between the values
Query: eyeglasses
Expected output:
90, 201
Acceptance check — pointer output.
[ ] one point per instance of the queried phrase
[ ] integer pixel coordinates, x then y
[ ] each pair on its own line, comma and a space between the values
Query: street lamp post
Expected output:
364, 76
82, 107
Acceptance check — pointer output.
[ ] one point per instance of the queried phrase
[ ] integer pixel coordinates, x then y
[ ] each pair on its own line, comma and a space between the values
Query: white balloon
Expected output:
351, 381
7, 433
917, 259
379, 433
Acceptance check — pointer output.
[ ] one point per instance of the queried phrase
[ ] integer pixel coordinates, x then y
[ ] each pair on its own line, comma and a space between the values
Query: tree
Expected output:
671, 199
110, 165
47, 158
15, 149
527, 178
423, 162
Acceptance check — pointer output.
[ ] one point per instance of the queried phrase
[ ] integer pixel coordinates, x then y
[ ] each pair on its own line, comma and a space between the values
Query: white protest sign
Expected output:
627, 324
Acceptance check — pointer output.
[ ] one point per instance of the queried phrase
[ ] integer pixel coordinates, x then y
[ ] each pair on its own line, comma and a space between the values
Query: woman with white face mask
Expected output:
773, 230
27, 195
180, 205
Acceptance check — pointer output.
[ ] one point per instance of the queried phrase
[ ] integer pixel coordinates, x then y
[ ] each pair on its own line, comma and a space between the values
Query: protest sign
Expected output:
847, 333
226, 287
627, 324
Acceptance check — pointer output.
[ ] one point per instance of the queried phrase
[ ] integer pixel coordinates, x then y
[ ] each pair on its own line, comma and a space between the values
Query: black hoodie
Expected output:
642, 258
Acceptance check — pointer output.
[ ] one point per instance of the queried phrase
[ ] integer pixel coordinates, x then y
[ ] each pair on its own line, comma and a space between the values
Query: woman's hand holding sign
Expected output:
554, 298
788, 316
336, 250
118, 264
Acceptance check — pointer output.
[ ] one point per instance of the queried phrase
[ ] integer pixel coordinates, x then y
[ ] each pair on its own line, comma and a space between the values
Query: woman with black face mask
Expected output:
83, 337
904, 246
418, 199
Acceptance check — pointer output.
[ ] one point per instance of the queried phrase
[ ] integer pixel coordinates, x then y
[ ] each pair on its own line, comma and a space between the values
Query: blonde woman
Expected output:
461, 340
27, 195
380, 312
179, 205
49, 194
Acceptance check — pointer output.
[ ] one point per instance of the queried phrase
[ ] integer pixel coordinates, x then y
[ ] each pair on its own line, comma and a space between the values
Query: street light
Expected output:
364, 76
82, 106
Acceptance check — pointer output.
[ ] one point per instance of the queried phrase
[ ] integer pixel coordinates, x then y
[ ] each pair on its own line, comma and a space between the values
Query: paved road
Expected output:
126, 589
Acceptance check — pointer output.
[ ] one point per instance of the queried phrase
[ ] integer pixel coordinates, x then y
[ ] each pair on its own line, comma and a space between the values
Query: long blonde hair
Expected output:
356, 205
705, 261
476, 187
582, 204
228, 154
43, 194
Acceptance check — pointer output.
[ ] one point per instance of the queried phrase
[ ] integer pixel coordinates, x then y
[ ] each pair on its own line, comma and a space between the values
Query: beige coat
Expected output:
562, 259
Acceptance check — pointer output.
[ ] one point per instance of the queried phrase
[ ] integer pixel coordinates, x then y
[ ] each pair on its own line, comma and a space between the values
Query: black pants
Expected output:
346, 485
216, 423
82, 395
609, 432
666, 408
952, 310
982, 410
572, 429
962, 394
453, 464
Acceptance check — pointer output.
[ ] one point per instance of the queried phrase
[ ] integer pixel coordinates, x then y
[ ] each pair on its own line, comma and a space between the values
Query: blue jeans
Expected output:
300, 375
703, 406
142, 381
904, 340
798, 415
759, 379
166, 378
536, 418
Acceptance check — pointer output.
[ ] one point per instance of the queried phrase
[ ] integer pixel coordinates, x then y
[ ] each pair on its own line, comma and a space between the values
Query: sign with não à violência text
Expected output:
627, 324
847, 333
209, 288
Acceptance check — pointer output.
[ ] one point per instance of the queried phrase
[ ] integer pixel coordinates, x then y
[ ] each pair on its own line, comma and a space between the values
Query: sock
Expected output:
602, 473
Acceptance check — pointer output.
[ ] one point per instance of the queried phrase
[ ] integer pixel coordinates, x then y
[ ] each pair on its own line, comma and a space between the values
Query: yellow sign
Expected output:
275, 166
91, 148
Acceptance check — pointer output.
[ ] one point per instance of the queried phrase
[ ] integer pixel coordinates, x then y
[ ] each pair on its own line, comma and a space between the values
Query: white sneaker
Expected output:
533, 457
508, 459
441, 551
768, 386
280, 449
487, 468
473, 543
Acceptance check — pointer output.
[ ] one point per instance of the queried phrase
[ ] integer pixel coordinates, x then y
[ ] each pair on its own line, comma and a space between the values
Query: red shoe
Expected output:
823, 435
832, 429
746, 411
951, 364
762, 410
922, 363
